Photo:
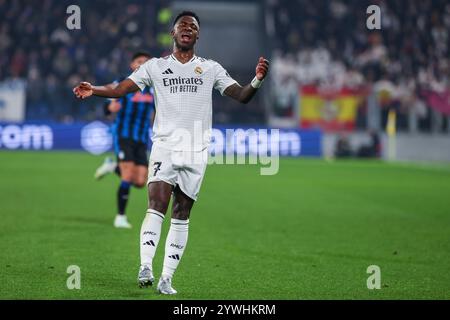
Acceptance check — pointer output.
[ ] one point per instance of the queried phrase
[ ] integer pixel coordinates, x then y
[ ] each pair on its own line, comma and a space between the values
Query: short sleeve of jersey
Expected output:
142, 75
222, 79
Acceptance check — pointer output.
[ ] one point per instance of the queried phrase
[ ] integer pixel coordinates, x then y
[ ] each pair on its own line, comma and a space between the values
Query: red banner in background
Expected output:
330, 110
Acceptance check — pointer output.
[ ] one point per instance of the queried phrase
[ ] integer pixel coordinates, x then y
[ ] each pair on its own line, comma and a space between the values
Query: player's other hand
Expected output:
262, 68
83, 90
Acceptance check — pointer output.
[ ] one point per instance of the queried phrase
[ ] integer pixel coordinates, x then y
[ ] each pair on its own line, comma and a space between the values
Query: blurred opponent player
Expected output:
130, 132
183, 84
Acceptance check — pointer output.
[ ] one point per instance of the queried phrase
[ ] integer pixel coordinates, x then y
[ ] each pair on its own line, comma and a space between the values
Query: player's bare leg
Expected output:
140, 176
159, 194
127, 169
176, 239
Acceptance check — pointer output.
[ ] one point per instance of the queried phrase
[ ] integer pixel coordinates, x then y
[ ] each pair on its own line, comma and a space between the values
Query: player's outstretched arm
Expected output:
246, 93
85, 89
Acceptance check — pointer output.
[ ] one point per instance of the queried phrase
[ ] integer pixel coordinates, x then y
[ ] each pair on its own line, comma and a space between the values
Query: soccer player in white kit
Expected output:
183, 84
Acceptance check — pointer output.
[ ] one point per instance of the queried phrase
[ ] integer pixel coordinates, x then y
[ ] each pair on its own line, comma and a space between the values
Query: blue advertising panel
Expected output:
96, 138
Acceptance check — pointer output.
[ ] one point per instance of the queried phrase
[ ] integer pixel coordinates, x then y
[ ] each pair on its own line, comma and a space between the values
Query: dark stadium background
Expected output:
380, 99
37, 47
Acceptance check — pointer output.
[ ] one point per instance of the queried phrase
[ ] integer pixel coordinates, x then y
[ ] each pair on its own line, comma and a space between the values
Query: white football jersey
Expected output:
183, 99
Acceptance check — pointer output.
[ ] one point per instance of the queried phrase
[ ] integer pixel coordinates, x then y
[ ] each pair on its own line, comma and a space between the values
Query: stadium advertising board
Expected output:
96, 138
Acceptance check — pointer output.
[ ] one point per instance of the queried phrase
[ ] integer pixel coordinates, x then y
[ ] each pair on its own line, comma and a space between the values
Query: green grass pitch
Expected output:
309, 232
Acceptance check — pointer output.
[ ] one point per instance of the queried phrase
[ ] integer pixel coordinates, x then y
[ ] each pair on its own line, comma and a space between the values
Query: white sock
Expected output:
175, 245
150, 234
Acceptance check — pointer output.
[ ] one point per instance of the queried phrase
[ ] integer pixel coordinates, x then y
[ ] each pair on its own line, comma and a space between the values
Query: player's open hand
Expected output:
83, 90
262, 68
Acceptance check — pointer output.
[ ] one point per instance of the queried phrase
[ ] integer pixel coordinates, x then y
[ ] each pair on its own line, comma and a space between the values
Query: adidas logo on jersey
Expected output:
168, 71
175, 256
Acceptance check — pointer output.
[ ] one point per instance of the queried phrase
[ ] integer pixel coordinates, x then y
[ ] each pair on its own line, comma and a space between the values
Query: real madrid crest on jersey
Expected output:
198, 70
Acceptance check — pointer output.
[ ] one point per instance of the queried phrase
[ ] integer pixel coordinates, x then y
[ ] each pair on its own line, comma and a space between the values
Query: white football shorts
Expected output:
183, 168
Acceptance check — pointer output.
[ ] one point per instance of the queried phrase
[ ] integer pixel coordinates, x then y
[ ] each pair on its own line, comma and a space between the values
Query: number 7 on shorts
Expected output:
157, 167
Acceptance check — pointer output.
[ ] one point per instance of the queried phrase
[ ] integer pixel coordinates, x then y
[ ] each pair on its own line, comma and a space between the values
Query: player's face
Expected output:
185, 32
137, 62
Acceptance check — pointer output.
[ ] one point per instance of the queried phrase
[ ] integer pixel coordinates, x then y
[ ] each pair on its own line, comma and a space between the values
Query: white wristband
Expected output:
256, 83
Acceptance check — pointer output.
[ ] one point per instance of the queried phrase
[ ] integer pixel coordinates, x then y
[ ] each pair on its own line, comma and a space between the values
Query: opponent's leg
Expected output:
140, 176
127, 169
176, 239
159, 193
141, 165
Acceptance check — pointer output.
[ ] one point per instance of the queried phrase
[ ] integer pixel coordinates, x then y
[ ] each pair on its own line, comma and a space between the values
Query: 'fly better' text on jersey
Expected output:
183, 98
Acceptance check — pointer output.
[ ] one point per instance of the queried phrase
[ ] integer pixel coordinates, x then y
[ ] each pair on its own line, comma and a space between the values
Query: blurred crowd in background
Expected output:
37, 45
325, 43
